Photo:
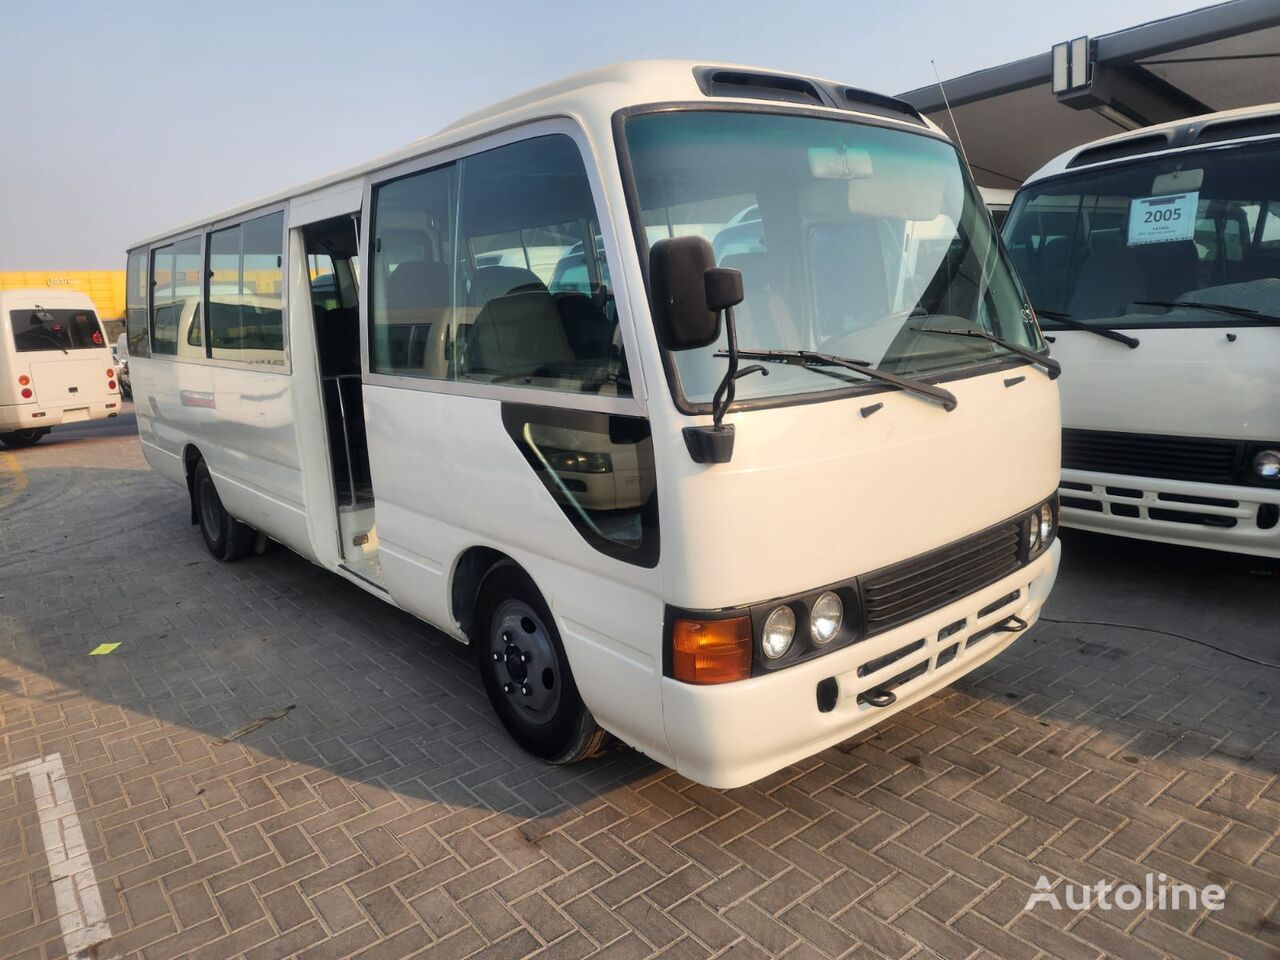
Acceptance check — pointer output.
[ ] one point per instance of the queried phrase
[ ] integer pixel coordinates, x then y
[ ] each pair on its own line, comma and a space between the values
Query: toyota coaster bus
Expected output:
700, 400
1152, 259
55, 364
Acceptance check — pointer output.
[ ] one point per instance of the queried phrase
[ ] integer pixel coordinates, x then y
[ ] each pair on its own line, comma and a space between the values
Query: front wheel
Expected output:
526, 673
226, 537
22, 438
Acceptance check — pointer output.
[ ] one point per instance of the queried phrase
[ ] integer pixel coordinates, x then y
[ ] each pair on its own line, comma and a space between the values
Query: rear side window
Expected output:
175, 280
246, 280
492, 270
136, 305
38, 330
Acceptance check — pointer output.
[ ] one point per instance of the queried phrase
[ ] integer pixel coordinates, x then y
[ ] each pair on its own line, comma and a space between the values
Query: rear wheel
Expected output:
526, 673
22, 438
226, 537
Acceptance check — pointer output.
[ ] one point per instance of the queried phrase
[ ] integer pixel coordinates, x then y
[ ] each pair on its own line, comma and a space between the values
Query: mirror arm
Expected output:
725, 393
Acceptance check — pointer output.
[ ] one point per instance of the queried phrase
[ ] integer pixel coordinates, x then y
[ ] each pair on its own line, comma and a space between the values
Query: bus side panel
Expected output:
242, 422
447, 476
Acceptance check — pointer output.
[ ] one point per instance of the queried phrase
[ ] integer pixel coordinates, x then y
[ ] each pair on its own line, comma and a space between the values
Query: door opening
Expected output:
333, 265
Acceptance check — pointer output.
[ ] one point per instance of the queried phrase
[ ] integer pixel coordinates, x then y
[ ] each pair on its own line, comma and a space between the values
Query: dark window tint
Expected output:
493, 271
246, 279
136, 282
38, 329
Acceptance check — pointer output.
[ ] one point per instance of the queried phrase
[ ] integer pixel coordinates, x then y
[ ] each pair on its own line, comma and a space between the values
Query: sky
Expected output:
121, 120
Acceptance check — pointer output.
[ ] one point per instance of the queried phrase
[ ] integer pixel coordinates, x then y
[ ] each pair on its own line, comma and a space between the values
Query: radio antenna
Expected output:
954, 126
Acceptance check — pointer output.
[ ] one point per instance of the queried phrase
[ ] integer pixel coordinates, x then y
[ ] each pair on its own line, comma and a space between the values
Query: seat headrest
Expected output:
420, 285
496, 281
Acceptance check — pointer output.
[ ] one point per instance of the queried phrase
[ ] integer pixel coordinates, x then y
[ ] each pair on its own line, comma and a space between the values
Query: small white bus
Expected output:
702, 401
55, 364
1153, 261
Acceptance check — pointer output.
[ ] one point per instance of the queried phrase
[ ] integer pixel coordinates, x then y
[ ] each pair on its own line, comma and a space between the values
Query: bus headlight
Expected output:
1046, 522
1266, 464
779, 630
825, 618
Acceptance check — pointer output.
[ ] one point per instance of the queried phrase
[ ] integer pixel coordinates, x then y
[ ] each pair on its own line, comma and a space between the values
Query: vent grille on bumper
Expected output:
1139, 455
894, 595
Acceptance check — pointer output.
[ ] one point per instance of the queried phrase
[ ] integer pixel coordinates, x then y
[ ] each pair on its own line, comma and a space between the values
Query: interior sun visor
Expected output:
901, 193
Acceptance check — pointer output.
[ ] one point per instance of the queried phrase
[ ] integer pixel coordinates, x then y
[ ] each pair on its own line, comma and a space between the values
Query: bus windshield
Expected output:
1186, 240
38, 329
852, 239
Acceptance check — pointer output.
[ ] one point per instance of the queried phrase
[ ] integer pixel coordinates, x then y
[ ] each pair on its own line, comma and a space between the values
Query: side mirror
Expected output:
689, 292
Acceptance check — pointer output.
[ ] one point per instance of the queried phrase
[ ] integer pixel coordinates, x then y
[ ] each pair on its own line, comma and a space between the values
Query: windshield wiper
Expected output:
1067, 320
1052, 367
808, 357
1247, 312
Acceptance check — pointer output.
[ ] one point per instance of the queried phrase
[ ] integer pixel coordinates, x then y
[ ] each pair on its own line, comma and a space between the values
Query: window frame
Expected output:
203, 231
637, 403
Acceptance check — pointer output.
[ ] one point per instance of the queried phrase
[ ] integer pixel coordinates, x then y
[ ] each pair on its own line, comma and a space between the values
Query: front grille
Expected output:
899, 593
1142, 455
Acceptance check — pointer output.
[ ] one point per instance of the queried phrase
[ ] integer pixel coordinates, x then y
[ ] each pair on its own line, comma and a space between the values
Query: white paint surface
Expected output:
75, 888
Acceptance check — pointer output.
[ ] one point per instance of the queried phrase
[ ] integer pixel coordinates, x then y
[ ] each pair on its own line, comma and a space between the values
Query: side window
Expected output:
246, 279
136, 283
493, 271
412, 289
164, 323
175, 273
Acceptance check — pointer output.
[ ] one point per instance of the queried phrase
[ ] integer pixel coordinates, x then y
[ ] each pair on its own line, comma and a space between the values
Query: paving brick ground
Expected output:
383, 813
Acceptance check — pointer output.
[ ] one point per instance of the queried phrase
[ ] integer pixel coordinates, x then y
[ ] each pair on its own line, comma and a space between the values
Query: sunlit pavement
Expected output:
272, 763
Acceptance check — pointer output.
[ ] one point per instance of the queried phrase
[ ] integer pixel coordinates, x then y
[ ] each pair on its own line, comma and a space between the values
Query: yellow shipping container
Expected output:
104, 287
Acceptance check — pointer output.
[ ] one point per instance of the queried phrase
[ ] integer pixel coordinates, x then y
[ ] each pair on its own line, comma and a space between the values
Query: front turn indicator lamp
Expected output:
711, 651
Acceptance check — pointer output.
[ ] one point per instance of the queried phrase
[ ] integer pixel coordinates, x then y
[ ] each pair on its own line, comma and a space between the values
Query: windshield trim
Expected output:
632, 194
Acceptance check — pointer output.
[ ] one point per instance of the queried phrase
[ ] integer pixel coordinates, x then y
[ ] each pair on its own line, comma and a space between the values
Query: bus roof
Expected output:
1208, 128
598, 94
24, 299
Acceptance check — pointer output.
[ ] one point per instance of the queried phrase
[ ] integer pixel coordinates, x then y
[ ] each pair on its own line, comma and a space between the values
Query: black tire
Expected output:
22, 438
226, 537
563, 732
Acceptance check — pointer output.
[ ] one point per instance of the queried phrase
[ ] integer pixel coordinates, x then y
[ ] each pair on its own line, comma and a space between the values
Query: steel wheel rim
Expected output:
524, 661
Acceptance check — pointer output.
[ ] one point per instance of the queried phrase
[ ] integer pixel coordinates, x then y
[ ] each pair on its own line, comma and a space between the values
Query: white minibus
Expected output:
731, 499
1152, 259
55, 364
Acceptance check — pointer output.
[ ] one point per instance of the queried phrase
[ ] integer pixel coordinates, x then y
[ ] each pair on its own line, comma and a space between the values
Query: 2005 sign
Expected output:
1162, 216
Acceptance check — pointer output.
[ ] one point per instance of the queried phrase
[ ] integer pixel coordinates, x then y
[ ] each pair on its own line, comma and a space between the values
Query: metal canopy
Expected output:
1012, 121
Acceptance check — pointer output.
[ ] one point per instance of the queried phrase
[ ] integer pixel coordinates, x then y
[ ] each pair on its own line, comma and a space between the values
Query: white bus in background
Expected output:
554, 460
1153, 261
55, 364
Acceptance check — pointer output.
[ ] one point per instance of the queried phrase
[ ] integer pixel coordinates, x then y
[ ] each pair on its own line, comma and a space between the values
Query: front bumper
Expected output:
731, 734
1239, 519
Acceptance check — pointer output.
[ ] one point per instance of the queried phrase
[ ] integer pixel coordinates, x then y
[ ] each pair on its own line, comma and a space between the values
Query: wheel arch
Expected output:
469, 572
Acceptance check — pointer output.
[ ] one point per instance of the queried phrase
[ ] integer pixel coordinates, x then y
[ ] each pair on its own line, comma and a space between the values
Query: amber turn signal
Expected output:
23, 380
711, 651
